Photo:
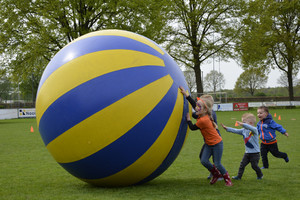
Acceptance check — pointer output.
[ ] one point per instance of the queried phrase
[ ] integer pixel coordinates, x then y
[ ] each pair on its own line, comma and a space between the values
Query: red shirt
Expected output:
209, 132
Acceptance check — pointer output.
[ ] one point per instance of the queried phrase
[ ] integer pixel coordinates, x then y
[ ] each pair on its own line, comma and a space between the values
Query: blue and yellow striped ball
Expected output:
109, 109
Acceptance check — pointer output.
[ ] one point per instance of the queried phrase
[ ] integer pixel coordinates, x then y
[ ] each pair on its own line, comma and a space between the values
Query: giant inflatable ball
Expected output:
109, 108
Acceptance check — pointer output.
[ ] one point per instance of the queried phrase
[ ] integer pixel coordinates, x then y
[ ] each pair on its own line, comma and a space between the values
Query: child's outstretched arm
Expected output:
232, 130
188, 97
251, 128
183, 91
225, 127
190, 124
239, 123
279, 128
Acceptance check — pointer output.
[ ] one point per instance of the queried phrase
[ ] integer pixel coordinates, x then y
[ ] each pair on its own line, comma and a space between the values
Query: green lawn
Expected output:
27, 170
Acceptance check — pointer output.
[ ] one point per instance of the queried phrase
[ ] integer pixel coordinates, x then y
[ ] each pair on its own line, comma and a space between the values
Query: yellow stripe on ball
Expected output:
73, 145
154, 156
111, 60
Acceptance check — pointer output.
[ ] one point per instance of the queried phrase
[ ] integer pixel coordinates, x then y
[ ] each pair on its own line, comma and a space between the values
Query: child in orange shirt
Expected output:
213, 141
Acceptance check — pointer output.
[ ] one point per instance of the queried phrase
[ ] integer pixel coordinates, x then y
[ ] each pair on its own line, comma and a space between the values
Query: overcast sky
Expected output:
232, 71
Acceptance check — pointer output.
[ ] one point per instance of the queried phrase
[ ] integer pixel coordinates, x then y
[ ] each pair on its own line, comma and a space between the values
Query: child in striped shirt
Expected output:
251, 139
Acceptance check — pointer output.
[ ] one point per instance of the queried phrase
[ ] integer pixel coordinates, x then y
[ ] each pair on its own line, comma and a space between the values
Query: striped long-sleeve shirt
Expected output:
250, 136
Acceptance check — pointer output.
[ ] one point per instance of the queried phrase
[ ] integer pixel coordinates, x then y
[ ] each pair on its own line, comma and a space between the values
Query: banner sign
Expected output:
26, 112
240, 106
225, 107
255, 104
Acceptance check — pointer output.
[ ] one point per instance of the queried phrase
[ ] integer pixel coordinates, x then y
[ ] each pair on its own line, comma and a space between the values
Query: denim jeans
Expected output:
216, 151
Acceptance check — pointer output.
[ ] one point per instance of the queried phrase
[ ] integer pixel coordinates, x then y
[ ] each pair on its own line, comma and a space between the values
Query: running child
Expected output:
267, 128
251, 139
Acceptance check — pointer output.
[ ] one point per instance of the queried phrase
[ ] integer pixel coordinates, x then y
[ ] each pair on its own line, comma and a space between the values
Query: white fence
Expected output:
229, 106
30, 112
17, 113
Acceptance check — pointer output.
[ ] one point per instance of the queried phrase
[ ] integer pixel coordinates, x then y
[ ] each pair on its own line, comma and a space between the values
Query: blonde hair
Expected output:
250, 117
208, 102
209, 97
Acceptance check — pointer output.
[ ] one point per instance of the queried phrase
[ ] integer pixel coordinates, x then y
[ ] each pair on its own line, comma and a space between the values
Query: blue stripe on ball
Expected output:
87, 99
90, 45
128, 148
175, 149
174, 70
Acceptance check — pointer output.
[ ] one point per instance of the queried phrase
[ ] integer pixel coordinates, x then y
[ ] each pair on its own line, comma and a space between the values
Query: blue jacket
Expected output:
267, 128
250, 136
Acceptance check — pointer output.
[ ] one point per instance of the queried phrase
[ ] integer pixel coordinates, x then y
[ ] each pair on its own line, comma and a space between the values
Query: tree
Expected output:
283, 80
191, 80
33, 31
5, 88
214, 80
202, 29
251, 80
271, 37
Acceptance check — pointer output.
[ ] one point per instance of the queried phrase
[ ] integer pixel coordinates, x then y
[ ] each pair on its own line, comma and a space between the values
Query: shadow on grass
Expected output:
158, 182
171, 187
186, 188
172, 184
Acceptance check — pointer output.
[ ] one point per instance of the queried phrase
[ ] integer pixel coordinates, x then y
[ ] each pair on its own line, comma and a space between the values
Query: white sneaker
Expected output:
220, 179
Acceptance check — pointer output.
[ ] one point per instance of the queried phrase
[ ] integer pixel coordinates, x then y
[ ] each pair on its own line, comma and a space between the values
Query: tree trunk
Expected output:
198, 79
290, 80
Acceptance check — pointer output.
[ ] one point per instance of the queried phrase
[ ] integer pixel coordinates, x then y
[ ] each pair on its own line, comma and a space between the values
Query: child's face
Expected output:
261, 114
200, 108
248, 121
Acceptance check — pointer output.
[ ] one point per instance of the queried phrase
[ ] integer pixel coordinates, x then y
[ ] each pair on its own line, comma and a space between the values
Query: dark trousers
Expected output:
253, 158
273, 148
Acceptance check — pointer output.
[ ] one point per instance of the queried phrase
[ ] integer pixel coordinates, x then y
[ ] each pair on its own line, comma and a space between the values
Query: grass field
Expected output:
27, 170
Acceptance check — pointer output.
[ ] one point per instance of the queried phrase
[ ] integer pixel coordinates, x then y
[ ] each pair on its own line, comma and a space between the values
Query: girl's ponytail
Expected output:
209, 112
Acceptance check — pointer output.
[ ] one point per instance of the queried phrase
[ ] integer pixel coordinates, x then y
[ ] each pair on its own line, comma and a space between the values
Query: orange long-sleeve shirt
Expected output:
208, 131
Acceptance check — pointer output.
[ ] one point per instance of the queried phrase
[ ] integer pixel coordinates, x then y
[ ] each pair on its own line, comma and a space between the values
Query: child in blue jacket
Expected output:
250, 136
267, 128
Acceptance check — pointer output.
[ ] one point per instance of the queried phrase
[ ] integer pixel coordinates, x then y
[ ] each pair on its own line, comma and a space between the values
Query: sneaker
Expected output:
209, 176
264, 168
236, 178
287, 159
259, 178
220, 179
